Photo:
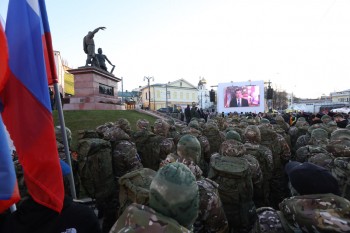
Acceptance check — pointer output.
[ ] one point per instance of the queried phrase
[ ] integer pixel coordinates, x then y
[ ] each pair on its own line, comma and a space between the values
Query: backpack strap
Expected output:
284, 223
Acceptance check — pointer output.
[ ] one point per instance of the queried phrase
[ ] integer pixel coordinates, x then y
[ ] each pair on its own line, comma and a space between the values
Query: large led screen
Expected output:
241, 97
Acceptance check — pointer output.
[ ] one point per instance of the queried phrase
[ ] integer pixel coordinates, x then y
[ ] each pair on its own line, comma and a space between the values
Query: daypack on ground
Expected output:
235, 190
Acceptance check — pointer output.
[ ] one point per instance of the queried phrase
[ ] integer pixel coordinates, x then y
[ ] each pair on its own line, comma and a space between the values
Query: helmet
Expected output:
231, 134
319, 136
166, 198
252, 134
189, 148
232, 148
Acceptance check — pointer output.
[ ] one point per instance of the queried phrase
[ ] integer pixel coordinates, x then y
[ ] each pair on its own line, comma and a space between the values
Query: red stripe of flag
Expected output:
9, 193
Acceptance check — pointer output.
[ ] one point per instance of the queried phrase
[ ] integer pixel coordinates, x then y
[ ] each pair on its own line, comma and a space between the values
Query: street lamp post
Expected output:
149, 90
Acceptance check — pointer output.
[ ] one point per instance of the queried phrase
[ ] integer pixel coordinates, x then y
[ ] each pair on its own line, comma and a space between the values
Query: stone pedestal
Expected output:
94, 89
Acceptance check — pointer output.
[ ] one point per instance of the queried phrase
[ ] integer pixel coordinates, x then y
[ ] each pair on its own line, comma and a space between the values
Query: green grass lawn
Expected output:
90, 119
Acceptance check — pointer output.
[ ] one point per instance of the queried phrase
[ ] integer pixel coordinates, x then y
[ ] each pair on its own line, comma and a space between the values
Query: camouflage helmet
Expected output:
326, 119
161, 127
166, 198
322, 159
231, 134
252, 134
142, 124
59, 136
189, 148
124, 124
232, 148
340, 134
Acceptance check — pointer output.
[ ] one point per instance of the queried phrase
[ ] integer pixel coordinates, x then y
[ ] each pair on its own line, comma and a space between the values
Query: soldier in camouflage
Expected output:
169, 210
341, 171
264, 155
214, 137
233, 148
281, 155
211, 216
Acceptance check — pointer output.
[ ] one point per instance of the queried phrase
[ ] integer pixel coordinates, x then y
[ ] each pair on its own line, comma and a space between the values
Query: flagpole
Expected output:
64, 138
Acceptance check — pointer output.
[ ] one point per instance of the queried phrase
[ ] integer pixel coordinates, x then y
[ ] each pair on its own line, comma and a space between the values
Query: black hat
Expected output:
308, 178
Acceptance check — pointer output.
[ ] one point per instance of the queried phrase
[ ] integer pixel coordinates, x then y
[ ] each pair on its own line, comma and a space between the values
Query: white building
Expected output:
203, 94
180, 93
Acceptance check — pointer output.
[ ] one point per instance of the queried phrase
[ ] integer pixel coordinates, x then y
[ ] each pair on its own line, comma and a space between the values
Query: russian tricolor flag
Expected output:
9, 193
27, 109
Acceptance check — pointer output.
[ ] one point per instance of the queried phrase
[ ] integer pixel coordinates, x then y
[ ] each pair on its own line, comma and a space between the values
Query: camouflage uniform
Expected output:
124, 124
281, 155
317, 213
172, 130
134, 188
141, 218
341, 171
214, 137
269, 221
232, 134
211, 216
264, 156
161, 128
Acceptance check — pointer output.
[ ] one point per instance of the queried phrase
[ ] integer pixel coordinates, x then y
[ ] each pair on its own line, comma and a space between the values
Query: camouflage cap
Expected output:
339, 148
124, 124
194, 124
142, 124
161, 127
319, 136
231, 134
326, 119
189, 148
252, 134
232, 148
166, 197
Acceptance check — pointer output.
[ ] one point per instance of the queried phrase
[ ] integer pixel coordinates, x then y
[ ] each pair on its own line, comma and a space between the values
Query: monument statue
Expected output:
89, 47
101, 58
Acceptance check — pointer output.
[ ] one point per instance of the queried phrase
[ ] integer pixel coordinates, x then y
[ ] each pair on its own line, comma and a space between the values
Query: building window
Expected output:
180, 84
158, 94
181, 96
187, 96
175, 95
169, 95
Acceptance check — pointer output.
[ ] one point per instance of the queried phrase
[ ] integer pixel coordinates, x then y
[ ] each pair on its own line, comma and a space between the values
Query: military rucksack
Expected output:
341, 171
148, 148
317, 213
235, 189
95, 167
134, 188
271, 221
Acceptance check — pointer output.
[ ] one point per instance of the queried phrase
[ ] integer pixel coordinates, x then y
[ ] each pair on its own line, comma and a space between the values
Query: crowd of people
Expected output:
236, 172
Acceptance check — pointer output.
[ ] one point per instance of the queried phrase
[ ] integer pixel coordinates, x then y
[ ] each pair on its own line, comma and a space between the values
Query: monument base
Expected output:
94, 89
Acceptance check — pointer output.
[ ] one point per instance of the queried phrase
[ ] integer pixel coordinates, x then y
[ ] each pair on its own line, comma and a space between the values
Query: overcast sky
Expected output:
301, 46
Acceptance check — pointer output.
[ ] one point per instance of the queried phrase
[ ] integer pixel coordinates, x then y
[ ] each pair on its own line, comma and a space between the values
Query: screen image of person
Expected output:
237, 100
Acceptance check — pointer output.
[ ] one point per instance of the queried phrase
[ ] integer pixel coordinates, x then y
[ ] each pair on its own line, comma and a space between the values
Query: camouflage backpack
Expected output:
233, 176
271, 221
339, 148
305, 152
148, 148
134, 188
341, 171
317, 213
95, 167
